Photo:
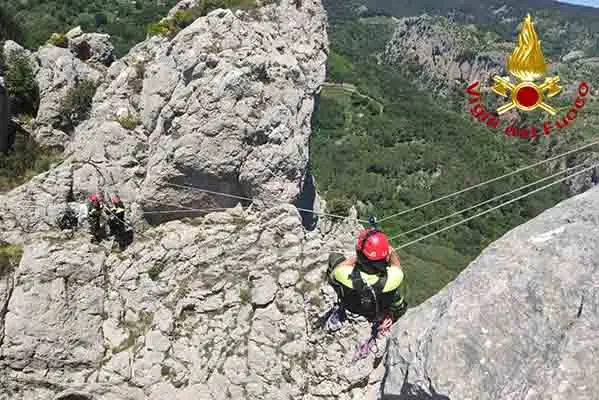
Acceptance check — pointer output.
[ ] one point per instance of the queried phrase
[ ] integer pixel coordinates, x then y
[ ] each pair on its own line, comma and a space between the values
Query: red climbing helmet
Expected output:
93, 198
116, 200
372, 248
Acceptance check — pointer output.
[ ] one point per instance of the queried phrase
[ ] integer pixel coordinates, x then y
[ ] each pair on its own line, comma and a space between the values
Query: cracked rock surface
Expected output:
218, 307
224, 106
519, 323
444, 50
222, 306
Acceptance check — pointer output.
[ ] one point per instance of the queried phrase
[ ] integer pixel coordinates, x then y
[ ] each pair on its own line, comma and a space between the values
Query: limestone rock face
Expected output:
224, 106
56, 71
91, 47
450, 54
519, 322
59, 70
223, 307
214, 307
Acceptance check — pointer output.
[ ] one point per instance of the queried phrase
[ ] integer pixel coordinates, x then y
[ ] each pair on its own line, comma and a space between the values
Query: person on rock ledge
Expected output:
116, 218
368, 283
94, 213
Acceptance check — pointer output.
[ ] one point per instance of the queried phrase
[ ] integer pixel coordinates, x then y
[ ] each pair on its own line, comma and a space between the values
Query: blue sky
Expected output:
592, 3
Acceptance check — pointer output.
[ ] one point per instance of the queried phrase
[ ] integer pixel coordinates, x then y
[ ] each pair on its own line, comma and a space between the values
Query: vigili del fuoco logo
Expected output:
526, 65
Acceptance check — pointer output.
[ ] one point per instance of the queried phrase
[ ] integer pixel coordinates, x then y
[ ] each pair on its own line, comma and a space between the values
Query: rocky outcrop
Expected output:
224, 106
91, 47
214, 307
223, 307
450, 54
57, 70
519, 322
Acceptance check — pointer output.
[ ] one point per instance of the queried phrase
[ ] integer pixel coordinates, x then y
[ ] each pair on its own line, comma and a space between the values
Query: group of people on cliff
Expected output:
97, 211
369, 283
99, 216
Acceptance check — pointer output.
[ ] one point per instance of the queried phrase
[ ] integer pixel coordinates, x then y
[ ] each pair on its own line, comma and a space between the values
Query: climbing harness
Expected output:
368, 297
369, 346
379, 329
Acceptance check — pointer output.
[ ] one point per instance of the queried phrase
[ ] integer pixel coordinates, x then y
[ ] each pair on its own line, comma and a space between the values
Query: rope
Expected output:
497, 207
248, 199
208, 191
184, 211
107, 209
484, 202
169, 204
378, 329
489, 181
182, 208
369, 345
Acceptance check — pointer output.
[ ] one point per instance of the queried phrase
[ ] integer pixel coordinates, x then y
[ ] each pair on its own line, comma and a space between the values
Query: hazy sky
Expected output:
592, 3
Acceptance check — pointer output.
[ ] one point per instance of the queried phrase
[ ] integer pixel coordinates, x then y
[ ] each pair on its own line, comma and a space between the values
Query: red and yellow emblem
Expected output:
527, 65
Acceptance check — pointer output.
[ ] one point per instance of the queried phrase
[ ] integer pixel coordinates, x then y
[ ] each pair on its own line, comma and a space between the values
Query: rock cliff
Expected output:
447, 53
519, 323
217, 306
224, 106
84, 57
223, 307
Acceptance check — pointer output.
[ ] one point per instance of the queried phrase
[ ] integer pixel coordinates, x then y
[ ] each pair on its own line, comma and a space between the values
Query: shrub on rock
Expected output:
59, 40
10, 257
128, 121
76, 105
169, 27
21, 84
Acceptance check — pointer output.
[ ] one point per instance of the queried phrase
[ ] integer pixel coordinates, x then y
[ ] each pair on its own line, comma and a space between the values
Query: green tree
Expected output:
76, 105
9, 28
20, 82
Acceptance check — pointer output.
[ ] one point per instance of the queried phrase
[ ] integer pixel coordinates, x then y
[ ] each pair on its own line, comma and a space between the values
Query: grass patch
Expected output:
136, 330
10, 257
128, 121
244, 295
154, 272
58, 40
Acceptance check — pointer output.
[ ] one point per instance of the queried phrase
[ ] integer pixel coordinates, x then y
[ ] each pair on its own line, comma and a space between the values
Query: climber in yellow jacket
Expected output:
368, 283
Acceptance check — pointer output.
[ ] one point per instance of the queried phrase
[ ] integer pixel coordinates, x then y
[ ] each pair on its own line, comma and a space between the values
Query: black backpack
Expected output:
370, 296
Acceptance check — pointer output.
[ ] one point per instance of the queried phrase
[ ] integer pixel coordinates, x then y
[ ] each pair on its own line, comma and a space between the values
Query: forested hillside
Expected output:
565, 24
125, 21
9, 29
422, 146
